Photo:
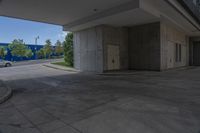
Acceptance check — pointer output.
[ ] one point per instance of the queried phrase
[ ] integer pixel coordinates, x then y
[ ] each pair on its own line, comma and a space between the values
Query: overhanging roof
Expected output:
79, 14
60, 12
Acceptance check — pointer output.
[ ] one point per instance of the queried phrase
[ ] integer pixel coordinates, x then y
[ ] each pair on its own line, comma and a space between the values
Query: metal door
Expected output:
113, 57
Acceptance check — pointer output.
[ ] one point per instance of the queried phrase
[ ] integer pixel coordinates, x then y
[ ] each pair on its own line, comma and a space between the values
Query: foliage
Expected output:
29, 53
3, 52
47, 48
59, 48
68, 49
40, 54
19, 49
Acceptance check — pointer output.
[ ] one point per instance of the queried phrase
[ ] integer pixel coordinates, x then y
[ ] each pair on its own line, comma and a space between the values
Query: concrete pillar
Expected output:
91, 46
88, 50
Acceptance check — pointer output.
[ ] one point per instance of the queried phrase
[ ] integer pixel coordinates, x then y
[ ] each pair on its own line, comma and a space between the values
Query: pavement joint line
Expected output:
34, 125
53, 131
57, 118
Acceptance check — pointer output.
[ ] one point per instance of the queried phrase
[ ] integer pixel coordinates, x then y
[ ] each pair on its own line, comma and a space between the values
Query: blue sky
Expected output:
11, 29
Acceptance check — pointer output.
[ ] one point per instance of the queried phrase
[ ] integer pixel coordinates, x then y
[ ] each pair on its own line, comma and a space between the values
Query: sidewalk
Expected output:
5, 92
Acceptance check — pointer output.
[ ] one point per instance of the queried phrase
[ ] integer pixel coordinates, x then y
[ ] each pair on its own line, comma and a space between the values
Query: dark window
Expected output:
198, 3
177, 53
180, 53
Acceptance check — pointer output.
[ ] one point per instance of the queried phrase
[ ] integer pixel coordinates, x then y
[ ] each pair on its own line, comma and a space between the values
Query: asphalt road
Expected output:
47, 100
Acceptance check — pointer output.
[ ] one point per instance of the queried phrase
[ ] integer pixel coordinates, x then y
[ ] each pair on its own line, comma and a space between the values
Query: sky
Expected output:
11, 29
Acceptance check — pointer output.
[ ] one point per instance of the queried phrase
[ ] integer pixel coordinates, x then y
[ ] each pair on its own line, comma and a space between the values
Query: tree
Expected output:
68, 49
47, 48
59, 48
18, 48
40, 53
3, 52
29, 53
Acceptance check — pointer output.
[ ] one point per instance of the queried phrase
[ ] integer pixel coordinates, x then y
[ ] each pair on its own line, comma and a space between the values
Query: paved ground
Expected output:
46, 100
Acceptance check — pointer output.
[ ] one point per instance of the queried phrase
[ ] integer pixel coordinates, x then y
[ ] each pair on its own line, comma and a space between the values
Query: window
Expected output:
178, 52
198, 2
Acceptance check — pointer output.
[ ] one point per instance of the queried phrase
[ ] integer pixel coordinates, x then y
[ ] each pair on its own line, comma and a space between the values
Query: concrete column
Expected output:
90, 48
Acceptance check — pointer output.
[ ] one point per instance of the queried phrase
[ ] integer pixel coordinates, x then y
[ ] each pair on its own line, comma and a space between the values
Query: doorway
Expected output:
113, 57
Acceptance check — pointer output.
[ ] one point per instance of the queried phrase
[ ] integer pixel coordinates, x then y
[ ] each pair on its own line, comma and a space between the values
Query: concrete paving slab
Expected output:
66, 129
36, 115
51, 100
51, 126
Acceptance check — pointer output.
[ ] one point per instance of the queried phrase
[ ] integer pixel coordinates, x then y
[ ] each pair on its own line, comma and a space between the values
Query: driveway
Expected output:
47, 100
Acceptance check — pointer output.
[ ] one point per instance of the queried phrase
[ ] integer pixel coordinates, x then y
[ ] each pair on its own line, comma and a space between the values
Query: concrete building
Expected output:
121, 34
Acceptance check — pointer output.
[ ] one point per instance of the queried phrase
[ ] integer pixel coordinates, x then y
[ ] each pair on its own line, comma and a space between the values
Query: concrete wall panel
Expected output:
144, 47
170, 33
88, 50
117, 37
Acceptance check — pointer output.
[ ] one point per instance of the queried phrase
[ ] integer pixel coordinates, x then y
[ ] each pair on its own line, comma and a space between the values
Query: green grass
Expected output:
62, 64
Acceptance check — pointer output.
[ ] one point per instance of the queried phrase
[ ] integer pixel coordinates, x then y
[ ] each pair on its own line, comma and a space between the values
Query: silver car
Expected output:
4, 63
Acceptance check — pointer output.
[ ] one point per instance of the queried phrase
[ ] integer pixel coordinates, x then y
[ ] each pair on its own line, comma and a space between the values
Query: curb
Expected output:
7, 95
58, 68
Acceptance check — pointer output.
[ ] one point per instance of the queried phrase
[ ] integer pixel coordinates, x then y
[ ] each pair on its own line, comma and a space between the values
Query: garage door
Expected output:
196, 54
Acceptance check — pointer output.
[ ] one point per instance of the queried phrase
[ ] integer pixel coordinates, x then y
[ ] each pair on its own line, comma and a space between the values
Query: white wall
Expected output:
170, 35
88, 50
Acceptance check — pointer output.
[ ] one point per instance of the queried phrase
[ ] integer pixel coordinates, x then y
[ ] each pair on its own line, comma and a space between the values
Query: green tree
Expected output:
18, 48
68, 49
3, 52
47, 48
59, 48
29, 53
40, 53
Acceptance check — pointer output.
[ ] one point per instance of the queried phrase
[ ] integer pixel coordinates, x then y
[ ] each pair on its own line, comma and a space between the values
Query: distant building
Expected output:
9, 56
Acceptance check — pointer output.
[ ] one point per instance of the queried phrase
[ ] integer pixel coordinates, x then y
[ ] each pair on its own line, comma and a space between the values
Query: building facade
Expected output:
121, 34
9, 56
157, 46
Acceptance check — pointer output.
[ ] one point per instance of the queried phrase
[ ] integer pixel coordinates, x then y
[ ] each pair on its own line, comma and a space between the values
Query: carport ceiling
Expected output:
60, 12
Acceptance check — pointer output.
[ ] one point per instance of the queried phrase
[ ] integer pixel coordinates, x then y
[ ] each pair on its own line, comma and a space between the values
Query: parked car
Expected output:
4, 63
